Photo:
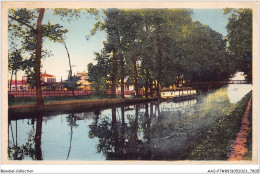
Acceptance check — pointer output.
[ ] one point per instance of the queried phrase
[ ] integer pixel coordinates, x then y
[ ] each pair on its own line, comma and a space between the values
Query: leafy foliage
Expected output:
15, 60
25, 25
164, 47
16, 152
239, 40
72, 82
98, 74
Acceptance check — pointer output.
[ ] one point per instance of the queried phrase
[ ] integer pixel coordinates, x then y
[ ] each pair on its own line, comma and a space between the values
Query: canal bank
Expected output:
217, 143
23, 111
155, 130
77, 106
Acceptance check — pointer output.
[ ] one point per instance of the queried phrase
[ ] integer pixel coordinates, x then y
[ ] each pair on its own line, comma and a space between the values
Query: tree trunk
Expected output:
146, 110
146, 88
159, 61
176, 82
158, 90
122, 63
73, 93
11, 80
136, 123
123, 115
123, 130
146, 83
151, 110
135, 75
151, 87
37, 66
114, 74
38, 135
16, 80
71, 133
148, 132
115, 132
70, 72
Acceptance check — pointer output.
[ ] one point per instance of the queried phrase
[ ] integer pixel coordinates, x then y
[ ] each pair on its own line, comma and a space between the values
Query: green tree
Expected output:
239, 39
72, 83
203, 55
27, 23
99, 74
162, 29
15, 63
121, 28
162, 48
33, 39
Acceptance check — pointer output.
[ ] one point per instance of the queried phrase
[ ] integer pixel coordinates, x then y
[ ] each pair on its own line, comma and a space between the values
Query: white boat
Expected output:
177, 93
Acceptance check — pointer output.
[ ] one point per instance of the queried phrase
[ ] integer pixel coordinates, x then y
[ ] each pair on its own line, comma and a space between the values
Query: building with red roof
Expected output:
19, 85
48, 78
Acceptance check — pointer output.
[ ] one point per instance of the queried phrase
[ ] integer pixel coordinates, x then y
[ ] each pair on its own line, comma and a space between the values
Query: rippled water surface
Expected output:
148, 131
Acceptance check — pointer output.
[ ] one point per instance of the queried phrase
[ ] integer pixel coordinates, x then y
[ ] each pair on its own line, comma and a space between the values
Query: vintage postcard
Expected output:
129, 83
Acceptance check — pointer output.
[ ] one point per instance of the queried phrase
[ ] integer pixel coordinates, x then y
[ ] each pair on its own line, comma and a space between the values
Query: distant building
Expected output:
49, 82
21, 85
47, 78
84, 83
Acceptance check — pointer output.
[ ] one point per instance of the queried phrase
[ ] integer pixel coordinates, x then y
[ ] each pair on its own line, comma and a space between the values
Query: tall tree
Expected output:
27, 23
37, 66
99, 74
122, 65
26, 18
164, 47
239, 39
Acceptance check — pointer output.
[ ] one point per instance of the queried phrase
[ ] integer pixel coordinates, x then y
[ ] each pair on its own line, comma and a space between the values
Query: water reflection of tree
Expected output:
102, 128
147, 126
38, 137
120, 140
71, 119
137, 138
31, 148
149, 133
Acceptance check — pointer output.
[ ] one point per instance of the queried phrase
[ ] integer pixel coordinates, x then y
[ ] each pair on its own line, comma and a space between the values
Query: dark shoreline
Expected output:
29, 111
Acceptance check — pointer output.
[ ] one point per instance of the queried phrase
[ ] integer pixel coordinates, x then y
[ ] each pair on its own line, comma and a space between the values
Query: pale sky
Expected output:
82, 50
214, 18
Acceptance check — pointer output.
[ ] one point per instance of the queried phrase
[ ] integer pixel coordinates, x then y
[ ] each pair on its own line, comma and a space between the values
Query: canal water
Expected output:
147, 131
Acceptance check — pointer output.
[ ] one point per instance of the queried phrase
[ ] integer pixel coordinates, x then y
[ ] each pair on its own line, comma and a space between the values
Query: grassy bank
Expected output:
215, 144
249, 140
47, 100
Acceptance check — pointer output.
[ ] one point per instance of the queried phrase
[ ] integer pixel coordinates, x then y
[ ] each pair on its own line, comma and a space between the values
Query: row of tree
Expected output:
150, 48
157, 47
